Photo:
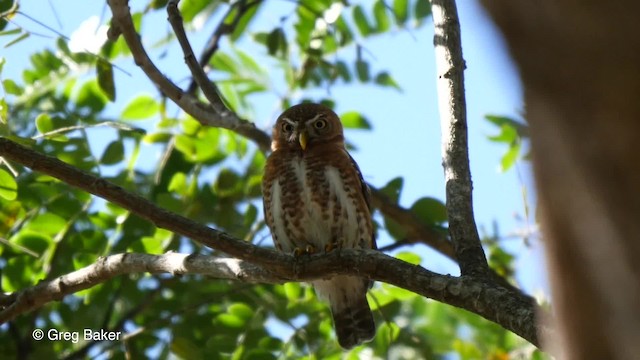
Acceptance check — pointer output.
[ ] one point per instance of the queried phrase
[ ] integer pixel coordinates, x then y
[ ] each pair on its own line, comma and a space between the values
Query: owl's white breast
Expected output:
314, 226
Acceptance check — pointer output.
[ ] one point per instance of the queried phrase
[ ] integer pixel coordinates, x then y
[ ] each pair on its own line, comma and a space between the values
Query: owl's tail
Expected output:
353, 321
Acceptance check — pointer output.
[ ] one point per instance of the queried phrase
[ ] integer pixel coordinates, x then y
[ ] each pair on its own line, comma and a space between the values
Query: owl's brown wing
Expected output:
366, 194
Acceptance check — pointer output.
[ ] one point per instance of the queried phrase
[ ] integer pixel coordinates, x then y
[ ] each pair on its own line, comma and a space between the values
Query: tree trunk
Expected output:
580, 65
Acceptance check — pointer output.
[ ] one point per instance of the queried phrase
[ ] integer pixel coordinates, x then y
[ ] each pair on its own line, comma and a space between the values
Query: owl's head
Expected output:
306, 126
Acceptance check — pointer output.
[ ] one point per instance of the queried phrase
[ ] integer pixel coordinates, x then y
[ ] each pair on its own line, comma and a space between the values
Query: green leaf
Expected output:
411, 258
242, 311
9, 32
277, 42
401, 11
152, 245
361, 21
105, 78
399, 293
393, 189
509, 159
244, 21
185, 348
230, 321
354, 120
17, 274
507, 135
429, 210
8, 186
44, 124
178, 183
35, 241
91, 96
47, 223
385, 79
422, 9
157, 137
521, 129
381, 16
17, 40
362, 69
10, 87
228, 183
141, 107
292, 290
113, 154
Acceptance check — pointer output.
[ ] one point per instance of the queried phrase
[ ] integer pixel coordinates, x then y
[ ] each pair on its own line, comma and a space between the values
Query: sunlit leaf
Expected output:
381, 16
411, 258
361, 21
292, 290
17, 40
510, 157
401, 10
141, 107
354, 120
10, 87
8, 186
91, 96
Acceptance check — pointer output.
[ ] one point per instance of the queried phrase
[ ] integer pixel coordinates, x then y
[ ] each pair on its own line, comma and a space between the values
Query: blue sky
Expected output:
405, 140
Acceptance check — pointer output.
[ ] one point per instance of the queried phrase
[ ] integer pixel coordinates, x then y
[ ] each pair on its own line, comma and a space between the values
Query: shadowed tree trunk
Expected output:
580, 65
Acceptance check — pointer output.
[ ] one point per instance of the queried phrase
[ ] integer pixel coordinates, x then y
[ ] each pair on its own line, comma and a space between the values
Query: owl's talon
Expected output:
307, 250
331, 246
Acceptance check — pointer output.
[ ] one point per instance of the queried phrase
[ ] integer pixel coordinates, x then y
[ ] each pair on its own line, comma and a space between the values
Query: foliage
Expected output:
63, 105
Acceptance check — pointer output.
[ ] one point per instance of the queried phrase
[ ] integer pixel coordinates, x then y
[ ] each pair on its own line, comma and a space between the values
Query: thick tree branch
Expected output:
483, 298
512, 310
416, 230
122, 24
110, 266
455, 153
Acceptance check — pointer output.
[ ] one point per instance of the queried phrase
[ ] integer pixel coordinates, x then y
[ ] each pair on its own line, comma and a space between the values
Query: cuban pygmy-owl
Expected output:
315, 199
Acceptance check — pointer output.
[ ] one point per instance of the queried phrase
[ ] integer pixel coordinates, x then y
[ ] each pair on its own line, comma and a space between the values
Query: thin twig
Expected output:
222, 29
208, 87
122, 24
455, 153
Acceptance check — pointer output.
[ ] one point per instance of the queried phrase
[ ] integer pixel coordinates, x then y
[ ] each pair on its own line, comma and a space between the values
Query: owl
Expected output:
315, 200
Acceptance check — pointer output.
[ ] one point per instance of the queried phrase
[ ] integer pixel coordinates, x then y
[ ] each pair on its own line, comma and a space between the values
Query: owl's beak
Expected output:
302, 139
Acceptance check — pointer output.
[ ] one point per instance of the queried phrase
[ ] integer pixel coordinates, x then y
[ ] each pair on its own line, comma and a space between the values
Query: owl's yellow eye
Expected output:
320, 124
286, 127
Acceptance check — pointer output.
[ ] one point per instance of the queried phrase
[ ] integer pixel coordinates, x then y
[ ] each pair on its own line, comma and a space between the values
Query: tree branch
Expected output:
512, 310
455, 153
484, 298
209, 88
122, 24
223, 28
114, 265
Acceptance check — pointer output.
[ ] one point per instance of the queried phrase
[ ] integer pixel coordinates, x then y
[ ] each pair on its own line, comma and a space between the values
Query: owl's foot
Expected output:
331, 246
308, 250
